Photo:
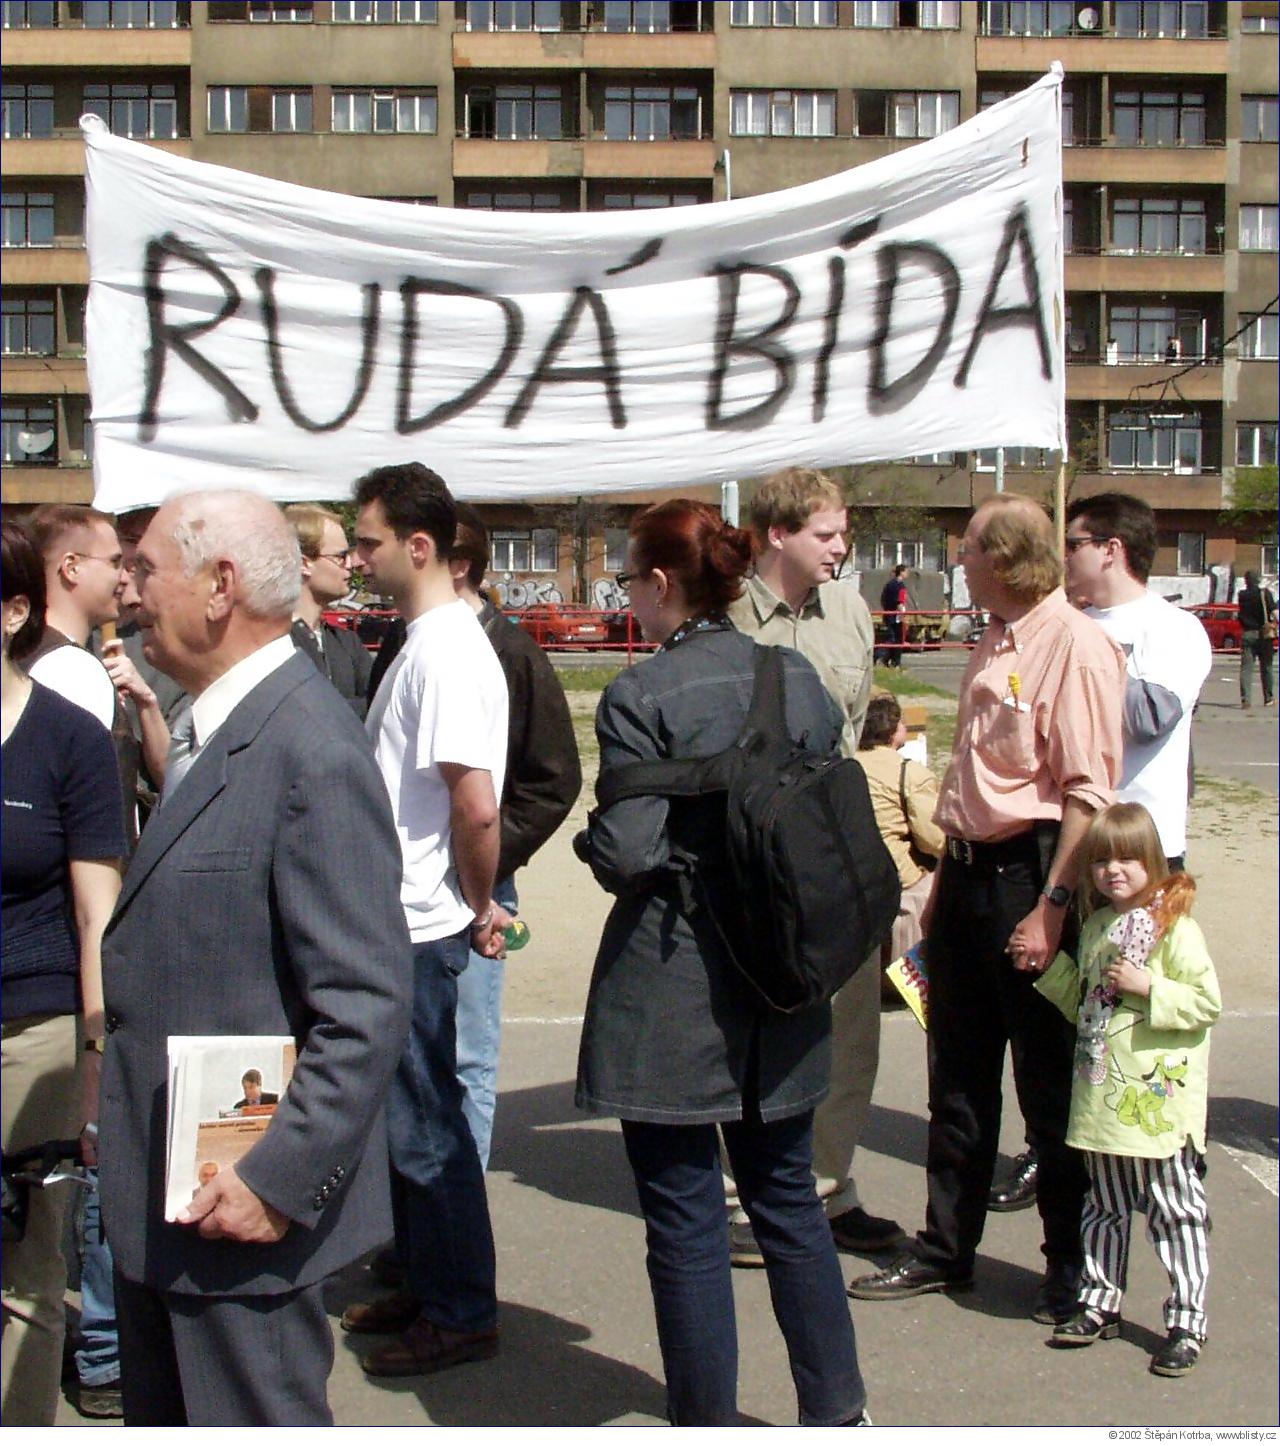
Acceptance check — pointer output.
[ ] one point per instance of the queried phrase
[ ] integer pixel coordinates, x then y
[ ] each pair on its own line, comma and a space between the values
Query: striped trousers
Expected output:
1170, 1193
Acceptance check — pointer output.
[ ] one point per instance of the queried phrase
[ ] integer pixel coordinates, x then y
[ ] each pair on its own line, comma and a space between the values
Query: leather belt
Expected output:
975, 854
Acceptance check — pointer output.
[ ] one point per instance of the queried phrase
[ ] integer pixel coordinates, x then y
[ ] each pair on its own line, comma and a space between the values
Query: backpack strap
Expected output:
693, 777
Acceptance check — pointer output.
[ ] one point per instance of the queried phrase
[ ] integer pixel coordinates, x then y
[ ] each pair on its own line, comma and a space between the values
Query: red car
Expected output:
1222, 623
561, 625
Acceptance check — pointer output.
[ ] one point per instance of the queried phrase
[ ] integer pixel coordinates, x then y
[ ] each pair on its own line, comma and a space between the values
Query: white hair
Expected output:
248, 530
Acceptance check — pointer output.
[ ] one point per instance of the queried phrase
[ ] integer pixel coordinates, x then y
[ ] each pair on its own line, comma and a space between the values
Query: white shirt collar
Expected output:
214, 706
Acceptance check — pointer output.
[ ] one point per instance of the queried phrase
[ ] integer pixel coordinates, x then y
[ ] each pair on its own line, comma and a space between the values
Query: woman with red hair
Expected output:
675, 1042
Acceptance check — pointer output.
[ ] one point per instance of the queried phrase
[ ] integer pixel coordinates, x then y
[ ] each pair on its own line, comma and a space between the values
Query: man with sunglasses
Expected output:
327, 562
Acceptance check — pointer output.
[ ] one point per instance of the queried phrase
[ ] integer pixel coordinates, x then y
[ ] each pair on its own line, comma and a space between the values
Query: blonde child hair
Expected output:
1127, 831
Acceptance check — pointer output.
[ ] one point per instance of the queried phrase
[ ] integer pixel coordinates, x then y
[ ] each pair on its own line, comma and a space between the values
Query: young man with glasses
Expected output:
327, 562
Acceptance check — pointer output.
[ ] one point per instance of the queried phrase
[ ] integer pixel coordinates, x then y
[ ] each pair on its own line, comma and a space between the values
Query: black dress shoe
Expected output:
856, 1230
1180, 1352
1085, 1327
1018, 1191
906, 1277
1057, 1294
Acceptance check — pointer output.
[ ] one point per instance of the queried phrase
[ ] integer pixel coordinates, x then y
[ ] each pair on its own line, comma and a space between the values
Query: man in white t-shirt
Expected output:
439, 727
1111, 545
84, 576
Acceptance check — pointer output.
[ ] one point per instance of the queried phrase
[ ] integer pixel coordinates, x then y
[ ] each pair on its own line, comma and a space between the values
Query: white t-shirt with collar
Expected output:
443, 700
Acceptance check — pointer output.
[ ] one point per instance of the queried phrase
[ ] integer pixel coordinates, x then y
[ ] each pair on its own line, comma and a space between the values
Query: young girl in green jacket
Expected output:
1143, 994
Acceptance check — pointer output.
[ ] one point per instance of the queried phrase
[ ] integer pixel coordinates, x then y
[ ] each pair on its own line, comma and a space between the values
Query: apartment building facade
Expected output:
1171, 123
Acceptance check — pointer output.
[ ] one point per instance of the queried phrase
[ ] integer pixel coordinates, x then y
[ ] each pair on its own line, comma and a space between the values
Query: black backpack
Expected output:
814, 887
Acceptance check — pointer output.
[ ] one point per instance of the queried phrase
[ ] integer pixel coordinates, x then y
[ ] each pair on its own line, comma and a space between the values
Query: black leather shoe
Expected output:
1180, 1352
1057, 1295
906, 1277
1018, 1190
1085, 1327
856, 1230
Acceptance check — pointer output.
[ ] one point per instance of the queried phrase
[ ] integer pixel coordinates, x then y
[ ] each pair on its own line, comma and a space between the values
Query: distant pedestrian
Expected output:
894, 600
1143, 995
1257, 638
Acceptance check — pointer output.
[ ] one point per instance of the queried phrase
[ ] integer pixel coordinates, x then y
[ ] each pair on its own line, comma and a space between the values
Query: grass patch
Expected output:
591, 678
1230, 792
900, 682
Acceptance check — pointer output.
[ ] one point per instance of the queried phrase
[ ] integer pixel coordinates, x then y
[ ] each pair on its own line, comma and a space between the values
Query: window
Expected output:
782, 113
228, 109
135, 15
28, 218
385, 12
783, 12
930, 459
28, 111
1259, 24
385, 112
1035, 459
645, 199
1156, 18
1260, 228
1154, 441
1190, 554
1159, 223
615, 548
1260, 118
1256, 444
287, 12
1269, 552
1158, 117
513, 15
28, 431
1260, 337
28, 325
652, 113
143, 112
1156, 333
511, 199
890, 15
514, 112
1029, 17
290, 111
534, 551
30, 14
925, 112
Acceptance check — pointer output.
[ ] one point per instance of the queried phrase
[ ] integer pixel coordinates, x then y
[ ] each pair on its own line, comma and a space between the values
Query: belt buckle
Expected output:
961, 850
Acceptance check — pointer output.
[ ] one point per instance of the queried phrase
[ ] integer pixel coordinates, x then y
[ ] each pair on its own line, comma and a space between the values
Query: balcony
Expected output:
44, 376
96, 49
60, 483
62, 154
473, 158
1165, 491
576, 50
45, 266
1095, 162
683, 50
1150, 271
1102, 54
1091, 381
646, 160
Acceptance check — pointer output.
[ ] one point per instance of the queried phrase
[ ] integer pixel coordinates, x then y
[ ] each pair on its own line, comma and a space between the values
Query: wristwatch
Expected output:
1059, 896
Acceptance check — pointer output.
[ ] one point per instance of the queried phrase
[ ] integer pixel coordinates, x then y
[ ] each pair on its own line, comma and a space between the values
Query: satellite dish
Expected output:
32, 443
1088, 18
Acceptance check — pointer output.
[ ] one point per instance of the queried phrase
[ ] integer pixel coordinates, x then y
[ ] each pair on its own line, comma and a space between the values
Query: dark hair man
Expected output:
1257, 638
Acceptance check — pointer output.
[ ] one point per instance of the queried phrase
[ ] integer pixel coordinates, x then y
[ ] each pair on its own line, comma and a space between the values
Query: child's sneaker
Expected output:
1180, 1352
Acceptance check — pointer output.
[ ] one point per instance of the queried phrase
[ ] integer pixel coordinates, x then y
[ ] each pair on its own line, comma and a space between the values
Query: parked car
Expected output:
1222, 622
369, 623
561, 625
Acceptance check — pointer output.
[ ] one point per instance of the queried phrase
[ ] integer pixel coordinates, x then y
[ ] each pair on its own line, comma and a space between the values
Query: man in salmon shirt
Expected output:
1037, 752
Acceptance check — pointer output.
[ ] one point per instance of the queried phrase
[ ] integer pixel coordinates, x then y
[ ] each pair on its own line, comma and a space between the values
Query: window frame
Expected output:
122, 97
17, 316
385, 101
1255, 435
1267, 108
10, 454
398, 17
774, 103
12, 202
633, 96
293, 95
1265, 327
1267, 223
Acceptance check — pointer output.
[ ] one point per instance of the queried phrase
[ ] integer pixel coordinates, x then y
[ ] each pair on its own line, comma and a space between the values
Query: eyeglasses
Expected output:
339, 557
115, 561
1074, 544
625, 579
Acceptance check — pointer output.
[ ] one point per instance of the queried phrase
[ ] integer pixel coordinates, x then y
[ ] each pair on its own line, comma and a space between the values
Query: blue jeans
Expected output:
443, 1234
98, 1359
681, 1188
480, 1032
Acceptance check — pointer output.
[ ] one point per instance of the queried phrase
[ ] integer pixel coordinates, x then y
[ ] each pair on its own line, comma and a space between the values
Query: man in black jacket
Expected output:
1257, 638
326, 577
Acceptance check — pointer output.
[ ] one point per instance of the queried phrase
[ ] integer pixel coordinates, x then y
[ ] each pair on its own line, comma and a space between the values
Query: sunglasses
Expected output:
1074, 544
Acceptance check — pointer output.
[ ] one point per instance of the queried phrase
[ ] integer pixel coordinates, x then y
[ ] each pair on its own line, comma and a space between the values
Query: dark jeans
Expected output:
681, 1189
1260, 652
979, 1004
443, 1234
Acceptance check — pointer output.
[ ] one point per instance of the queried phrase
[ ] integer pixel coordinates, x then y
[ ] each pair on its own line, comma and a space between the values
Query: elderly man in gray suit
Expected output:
243, 913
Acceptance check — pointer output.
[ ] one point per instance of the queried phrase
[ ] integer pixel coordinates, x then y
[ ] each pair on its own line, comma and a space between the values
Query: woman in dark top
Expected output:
63, 840
674, 1041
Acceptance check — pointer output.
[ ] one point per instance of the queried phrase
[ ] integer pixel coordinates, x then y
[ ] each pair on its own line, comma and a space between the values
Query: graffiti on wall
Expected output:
518, 592
608, 596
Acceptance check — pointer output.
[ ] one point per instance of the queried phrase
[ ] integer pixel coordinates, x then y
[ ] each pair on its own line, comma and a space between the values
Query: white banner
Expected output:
247, 331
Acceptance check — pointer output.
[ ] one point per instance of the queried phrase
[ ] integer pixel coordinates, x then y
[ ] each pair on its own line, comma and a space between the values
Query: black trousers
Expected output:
979, 1004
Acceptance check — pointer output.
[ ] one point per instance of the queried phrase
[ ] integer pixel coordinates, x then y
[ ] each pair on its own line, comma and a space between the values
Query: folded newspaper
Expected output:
223, 1091
910, 976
